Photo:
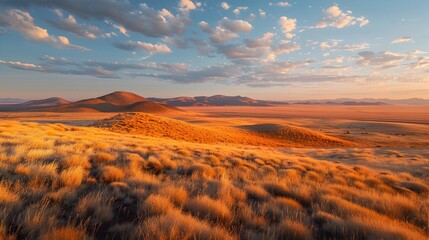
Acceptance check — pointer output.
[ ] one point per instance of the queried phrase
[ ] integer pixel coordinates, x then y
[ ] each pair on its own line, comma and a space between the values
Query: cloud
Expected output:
327, 46
81, 70
283, 4
236, 51
21, 65
354, 47
238, 10
226, 30
421, 63
288, 25
141, 18
334, 45
286, 47
382, 60
339, 59
264, 41
186, 5
147, 47
23, 23
70, 24
225, 5
236, 26
335, 17
402, 40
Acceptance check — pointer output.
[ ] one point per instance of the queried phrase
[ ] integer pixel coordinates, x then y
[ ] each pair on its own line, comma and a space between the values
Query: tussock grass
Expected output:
62, 182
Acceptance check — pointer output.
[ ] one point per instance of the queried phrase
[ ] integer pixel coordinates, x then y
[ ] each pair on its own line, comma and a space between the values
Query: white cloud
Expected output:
402, 40
339, 59
327, 46
283, 4
262, 13
23, 22
147, 47
335, 17
186, 5
238, 10
288, 25
21, 65
225, 5
334, 45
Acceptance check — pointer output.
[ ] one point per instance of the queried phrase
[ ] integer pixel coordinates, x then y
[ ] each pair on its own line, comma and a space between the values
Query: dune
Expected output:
297, 135
258, 135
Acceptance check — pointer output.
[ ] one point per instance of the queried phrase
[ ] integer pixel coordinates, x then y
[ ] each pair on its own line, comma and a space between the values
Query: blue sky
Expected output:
263, 49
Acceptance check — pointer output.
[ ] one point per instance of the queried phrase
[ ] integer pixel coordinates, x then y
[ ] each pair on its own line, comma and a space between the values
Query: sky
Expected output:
275, 50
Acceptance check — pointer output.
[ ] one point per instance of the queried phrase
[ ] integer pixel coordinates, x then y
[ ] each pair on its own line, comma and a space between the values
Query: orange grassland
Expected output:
284, 172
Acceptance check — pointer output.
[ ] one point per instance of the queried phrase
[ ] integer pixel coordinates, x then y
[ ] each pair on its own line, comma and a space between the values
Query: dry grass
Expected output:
62, 182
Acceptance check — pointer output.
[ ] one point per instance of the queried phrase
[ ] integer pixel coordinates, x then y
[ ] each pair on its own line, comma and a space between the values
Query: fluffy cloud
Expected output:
23, 22
186, 5
147, 47
264, 41
70, 24
141, 18
226, 30
402, 40
238, 10
237, 26
335, 17
225, 5
288, 25
283, 4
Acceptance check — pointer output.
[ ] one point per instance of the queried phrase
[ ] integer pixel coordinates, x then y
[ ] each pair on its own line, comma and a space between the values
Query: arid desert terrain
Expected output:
292, 171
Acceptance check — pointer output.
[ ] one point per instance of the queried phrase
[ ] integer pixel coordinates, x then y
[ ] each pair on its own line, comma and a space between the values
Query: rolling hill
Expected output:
216, 100
113, 102
258, 135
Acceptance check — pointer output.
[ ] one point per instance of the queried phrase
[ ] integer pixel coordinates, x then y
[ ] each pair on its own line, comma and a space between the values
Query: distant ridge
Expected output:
113, 102
216, 100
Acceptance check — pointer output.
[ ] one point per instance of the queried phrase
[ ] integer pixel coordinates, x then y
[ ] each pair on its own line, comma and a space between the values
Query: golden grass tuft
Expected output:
64, 233
72, 177
155, 205
111, 174
206, 208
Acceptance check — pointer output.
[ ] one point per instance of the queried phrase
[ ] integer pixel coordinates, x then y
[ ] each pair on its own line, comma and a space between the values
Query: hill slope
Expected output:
155, 126
113, 102
216, 100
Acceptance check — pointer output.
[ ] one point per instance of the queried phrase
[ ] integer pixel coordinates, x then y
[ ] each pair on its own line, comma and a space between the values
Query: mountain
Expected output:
12, 100
34, 105
216, 100
113, 102
365, 101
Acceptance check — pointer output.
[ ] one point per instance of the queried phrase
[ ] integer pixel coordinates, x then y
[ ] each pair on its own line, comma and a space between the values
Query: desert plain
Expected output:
296, 171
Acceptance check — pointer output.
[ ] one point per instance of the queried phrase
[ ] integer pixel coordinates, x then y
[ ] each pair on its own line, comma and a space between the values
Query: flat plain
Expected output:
280, 172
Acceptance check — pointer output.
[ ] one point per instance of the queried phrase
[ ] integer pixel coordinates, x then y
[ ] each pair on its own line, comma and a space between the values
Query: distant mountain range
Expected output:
113, 102
130, 102
364, 101
12, 100
216, 100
